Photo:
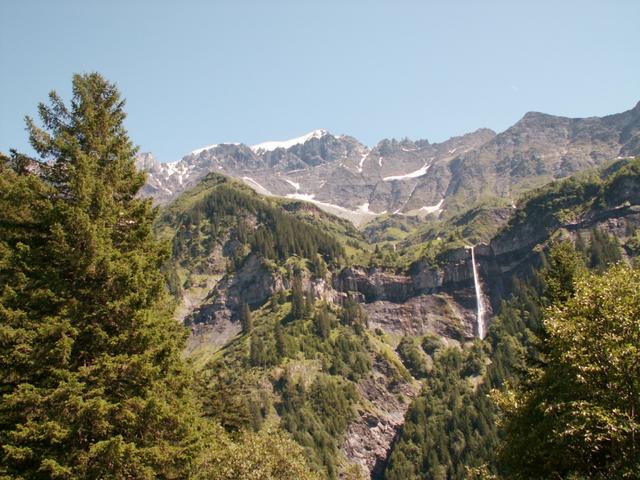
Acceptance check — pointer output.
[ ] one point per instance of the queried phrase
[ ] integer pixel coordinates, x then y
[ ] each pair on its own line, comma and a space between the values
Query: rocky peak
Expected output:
405, 177
146, 161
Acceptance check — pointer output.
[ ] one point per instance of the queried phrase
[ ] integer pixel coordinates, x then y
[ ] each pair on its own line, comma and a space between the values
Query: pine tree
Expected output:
297, 298
93, 385
322, 322
246, 320
278, 335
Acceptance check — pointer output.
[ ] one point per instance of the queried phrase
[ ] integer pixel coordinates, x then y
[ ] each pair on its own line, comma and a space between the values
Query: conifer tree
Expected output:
92, 384
297, 298
246, 320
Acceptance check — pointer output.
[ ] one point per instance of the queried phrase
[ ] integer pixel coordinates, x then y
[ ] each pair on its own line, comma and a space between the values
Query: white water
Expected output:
479, 299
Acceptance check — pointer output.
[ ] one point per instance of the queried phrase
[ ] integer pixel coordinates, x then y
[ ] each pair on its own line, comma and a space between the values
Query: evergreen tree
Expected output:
309, 303
246, 320
322, 322
280, 341
605, 250
297, 298
92, 384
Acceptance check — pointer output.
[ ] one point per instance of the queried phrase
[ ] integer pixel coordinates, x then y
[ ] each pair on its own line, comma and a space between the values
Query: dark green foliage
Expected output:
452, 427
316, 412
316, 417
222, 206
298, 307
225, 398
561, 268
348, 356
92, 381
262, 352
323, 321
448, 428
604, 250
281, 345
431, 344
352, 314
563, 201
576, 415
246, 320
412, 357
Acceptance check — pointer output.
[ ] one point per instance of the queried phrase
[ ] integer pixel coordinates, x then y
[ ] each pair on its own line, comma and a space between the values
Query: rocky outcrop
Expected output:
384, 403
451, 272
452, 316
375, 284
429, 298
439, 297
252, 283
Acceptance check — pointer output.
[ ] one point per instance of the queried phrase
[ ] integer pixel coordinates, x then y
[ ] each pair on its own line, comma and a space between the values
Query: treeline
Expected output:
563, 201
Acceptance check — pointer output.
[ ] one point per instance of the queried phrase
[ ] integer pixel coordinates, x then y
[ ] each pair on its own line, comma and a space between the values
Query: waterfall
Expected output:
479, 299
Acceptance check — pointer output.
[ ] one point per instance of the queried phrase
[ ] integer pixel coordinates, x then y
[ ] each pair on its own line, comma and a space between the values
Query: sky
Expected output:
196, 73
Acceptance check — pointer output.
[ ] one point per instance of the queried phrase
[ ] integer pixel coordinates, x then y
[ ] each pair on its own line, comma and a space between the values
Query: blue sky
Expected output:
196, 73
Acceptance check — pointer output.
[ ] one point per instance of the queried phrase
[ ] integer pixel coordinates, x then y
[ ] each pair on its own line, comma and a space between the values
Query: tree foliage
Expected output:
92, 381
578, 416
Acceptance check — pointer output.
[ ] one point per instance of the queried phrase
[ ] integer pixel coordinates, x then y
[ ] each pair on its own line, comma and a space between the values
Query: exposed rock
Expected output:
253, 283
350, 180
368, 438
452, 317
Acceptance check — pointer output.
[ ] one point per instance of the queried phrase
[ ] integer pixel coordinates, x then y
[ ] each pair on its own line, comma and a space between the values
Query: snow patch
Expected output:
356, 216
364, 157
209, 147
295, 185
256, 186
426, 210
307, 197
270, 146
415, 174
433, 208
200, 150
364, 208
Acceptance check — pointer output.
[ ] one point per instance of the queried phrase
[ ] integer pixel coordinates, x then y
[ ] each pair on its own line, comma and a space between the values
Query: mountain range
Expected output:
404, 177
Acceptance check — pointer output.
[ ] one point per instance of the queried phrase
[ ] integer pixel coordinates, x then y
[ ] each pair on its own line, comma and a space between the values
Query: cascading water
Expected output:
479, 298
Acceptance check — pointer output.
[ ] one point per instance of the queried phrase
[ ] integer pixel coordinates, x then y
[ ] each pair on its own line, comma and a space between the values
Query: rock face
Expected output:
253, 284
348, 179
429, 298
368, 439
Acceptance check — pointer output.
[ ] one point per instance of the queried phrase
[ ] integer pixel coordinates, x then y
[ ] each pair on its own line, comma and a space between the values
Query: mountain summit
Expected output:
405, 177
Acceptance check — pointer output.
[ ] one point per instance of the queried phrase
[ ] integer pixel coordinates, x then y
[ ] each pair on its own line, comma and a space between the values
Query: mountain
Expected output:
344, 177
341, 335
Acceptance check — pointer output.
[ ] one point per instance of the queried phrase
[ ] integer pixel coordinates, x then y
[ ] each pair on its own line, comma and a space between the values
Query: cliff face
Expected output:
441, 298
429, 298
369, 437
